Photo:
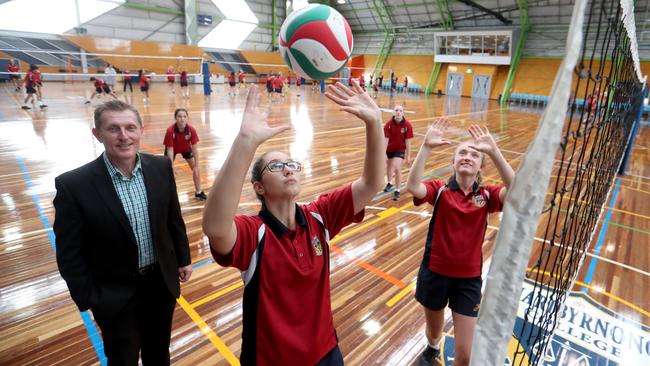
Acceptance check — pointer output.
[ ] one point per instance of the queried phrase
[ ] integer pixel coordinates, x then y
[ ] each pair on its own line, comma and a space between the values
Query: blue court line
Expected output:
93, 334
601, 237
202, 263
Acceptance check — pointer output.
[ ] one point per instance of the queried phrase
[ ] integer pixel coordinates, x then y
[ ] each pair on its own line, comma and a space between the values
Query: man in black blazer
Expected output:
121, 244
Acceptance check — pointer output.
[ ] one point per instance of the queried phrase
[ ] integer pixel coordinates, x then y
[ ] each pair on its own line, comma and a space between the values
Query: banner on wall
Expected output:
588, 334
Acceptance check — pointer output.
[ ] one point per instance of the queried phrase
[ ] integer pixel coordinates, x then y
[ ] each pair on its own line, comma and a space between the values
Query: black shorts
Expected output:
434, 291
278, 90
13, 76
186, 155
232, 83
30, 90
144, 88
395, 154
183, 83
332, 358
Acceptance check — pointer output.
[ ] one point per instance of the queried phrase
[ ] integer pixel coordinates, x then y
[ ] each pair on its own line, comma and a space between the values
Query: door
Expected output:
481, 86
455, 85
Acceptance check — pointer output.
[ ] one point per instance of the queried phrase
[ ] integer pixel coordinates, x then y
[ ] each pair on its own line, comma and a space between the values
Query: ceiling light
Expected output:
341, 1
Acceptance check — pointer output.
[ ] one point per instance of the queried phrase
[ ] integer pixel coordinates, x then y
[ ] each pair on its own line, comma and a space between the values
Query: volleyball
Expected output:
315, 41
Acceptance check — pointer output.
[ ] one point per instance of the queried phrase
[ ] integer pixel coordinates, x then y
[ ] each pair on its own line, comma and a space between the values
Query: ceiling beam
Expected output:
495, 14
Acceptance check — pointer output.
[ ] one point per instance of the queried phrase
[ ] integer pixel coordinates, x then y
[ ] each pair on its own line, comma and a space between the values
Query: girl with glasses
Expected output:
283, 252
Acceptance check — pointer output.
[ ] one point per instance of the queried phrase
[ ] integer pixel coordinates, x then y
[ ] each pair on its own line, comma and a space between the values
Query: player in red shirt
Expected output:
398, 133
450, 272
242, 79
100, 87
171, 77
406, 84
144, 85
185, 91
283, 252
13, 68
232, 84
126, 79
181, 138
32, 81
278, 85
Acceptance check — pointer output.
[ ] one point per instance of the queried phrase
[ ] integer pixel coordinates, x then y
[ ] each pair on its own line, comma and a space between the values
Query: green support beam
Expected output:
447, 22
153, 8
274, 27
389, 35
191, 22
519, 50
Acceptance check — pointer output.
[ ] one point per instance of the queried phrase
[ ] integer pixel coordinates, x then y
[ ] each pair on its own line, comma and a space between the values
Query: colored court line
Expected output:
393, 300
93, 334
610, 295
218, 294
629, 227
601, 236
205, 329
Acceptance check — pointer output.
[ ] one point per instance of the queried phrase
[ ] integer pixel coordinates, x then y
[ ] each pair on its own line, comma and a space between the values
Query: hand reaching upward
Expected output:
433, 138
255, 123
483, 140
355, 101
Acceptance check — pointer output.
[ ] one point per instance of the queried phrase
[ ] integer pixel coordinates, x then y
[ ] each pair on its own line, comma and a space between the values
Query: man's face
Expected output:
120, 133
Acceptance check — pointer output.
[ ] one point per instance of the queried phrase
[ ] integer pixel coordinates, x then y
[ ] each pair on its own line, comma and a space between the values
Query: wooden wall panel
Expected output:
129, 47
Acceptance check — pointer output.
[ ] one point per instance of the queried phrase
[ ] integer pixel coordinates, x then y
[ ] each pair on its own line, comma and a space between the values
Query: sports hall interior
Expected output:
374, 263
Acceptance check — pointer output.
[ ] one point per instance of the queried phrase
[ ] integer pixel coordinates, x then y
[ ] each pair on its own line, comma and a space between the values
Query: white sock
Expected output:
436, 346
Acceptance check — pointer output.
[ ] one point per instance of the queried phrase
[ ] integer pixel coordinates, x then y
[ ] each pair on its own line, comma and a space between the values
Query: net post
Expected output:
205, 68
635, 131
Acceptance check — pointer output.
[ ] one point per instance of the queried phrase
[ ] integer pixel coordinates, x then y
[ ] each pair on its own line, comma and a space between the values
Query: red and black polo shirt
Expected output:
180, 141
457, 227
397, 133
287, 315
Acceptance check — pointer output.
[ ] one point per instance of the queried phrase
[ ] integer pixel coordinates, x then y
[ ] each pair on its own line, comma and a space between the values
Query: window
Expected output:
52, 16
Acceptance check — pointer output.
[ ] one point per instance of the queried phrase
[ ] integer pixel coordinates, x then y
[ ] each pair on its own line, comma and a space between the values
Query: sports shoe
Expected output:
200, 195
43, 106
388, 187
428, 356
87, 102
396, 195
25, 107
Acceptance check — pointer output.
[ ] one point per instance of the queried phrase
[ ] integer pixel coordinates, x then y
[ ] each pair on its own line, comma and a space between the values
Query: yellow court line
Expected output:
640, 310
610, 295
382, 215
217, 294
205, 329
400, 294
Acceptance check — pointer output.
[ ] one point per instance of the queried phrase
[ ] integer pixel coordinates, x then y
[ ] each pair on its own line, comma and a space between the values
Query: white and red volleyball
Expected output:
316, 41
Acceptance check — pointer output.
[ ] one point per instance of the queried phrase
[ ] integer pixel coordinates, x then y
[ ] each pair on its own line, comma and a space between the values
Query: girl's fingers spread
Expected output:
336, 99
338, 92
344, 88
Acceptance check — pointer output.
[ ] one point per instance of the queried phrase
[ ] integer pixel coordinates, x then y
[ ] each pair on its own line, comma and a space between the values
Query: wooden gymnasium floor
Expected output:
374, 263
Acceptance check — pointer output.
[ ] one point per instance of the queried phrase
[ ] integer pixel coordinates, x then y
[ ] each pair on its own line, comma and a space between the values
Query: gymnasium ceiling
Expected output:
412, 20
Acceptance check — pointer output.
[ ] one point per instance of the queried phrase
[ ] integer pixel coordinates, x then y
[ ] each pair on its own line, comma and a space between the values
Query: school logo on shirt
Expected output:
318, 248
478, 200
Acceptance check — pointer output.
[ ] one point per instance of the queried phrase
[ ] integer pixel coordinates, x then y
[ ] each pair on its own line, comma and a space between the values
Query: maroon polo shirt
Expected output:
397, 133
457, 227
181, 141
287, 314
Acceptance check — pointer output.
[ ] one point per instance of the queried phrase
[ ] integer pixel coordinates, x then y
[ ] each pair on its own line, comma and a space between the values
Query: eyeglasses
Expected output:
277, 166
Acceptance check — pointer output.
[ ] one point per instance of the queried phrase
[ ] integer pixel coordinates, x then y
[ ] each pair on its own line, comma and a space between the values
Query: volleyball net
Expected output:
73, 65
550, 218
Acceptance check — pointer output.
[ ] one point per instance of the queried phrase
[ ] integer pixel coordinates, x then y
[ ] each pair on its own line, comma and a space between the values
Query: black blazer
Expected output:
96, 250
